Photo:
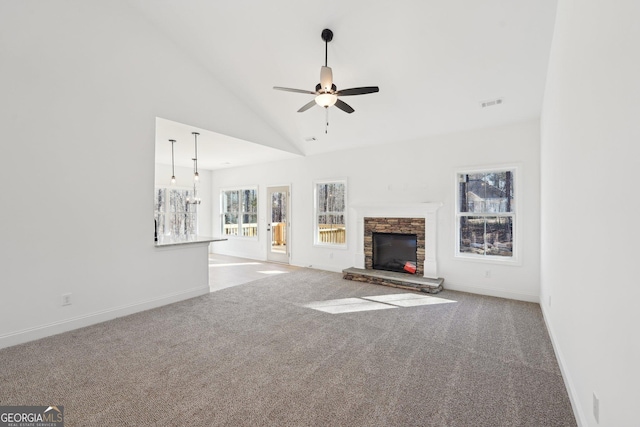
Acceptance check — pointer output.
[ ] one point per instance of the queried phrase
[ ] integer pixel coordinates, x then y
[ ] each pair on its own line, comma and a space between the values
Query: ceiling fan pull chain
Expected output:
326, 126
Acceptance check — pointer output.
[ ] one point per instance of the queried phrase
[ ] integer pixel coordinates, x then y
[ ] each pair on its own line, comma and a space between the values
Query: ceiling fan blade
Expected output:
288, 89
306, 106
326, 78
358, 91
344, 106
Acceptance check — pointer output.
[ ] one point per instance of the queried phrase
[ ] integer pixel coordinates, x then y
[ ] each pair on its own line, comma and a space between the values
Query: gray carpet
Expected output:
251, 355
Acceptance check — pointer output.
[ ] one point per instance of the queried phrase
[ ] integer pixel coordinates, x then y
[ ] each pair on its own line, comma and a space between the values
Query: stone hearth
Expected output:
393, 279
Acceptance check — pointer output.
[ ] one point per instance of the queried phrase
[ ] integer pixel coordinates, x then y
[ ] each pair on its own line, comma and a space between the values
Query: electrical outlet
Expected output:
66, 299
596, 408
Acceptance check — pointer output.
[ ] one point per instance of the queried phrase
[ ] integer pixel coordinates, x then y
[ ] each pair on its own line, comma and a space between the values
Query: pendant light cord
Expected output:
195, 163
173, 163
173, 166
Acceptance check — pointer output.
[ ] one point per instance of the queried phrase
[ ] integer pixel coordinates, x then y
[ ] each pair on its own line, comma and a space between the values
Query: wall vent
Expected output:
492, 102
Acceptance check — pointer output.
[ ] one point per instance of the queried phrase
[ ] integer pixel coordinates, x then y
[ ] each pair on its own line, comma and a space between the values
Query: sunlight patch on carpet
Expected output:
408, 300
377, 302
347, 305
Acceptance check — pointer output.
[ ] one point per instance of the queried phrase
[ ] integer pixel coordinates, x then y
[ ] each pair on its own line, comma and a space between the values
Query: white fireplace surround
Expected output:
428, 211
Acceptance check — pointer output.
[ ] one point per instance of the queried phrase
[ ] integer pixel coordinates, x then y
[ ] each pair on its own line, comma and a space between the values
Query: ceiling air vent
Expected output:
492, 102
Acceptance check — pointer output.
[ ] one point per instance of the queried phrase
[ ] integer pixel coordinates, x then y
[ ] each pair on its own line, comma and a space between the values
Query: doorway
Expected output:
278, 229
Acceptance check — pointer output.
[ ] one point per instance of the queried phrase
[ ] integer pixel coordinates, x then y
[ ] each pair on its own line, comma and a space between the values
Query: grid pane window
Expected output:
249, 212
331, 202
173, 214
230, 213
240, 212
160, 209
486, 213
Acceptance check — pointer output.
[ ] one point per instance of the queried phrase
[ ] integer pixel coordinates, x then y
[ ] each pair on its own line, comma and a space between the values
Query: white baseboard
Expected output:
253, 256
492, 292
331, 268
42, 331
575, 403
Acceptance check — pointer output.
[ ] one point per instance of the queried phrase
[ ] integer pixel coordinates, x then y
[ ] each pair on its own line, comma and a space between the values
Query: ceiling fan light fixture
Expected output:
326, 99
326, 78
326, 92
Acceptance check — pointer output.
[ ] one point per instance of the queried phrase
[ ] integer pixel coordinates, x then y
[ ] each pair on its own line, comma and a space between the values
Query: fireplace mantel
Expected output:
428, 211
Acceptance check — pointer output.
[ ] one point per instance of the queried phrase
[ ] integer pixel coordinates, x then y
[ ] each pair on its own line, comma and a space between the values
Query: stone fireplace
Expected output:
402, 226
415, 218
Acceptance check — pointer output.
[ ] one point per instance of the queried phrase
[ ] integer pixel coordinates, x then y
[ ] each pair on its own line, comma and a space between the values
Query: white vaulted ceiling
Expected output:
435, 61
215, 151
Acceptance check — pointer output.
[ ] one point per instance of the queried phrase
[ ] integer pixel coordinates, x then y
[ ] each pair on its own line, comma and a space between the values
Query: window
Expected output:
174, 215
330, 212
239, 214
486, 214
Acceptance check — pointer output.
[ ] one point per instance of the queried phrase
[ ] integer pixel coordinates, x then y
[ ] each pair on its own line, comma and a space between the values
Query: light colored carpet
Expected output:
253, 355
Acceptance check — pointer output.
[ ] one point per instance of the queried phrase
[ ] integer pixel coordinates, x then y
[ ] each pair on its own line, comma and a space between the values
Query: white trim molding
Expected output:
428, 211
42, 331
515, 214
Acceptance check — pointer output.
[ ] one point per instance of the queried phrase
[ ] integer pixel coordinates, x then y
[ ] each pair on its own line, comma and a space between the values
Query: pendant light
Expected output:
196, 176
195, 200
173, 166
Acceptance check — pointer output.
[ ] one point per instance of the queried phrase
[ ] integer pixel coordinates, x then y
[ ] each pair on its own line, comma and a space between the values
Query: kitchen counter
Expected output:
185, 240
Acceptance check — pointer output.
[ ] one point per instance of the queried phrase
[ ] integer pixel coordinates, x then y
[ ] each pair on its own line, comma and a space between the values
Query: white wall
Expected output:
82, 85
589, 163
417, 171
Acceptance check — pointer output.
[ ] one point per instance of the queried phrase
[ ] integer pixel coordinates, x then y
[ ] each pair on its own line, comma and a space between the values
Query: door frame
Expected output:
272, 256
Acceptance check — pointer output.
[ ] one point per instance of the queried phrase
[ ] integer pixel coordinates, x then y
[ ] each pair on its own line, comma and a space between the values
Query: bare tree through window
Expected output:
486, 213
239, 214
331, 202
173, 215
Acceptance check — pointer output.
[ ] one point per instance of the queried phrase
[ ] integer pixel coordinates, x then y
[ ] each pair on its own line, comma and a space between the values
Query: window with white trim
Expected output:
239, 212
330, 211
174, 214
486, 214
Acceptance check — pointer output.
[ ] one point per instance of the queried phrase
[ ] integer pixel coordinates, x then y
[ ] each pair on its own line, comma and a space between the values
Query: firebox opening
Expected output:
395, 252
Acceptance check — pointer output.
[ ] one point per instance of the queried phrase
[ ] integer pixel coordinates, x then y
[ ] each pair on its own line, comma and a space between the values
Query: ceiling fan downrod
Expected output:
327, 36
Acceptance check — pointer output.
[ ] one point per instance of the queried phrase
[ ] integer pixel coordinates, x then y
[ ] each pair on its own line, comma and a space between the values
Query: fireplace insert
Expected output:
395, 252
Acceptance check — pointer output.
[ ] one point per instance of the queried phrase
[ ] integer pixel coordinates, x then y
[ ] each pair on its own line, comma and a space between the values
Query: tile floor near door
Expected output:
226, 271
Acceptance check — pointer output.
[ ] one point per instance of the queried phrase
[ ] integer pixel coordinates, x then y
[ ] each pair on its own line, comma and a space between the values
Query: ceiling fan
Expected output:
326, 93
